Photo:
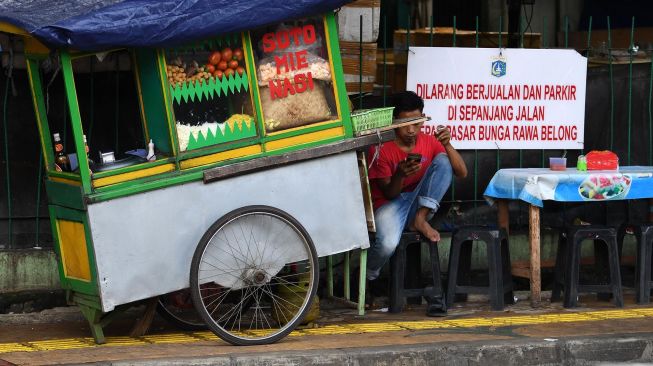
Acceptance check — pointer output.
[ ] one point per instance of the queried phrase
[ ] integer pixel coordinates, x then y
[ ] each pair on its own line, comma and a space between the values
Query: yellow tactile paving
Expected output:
644, 311
477, 322
516, 320
615, 314
419, 325
374, 327
70, 343
122, 341
499, 321
169, 338
206, 335
329, 329
563, 318
15, 347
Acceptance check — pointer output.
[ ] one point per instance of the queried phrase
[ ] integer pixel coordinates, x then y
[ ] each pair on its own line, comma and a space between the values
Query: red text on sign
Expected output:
283, 88
291, 61
282, 39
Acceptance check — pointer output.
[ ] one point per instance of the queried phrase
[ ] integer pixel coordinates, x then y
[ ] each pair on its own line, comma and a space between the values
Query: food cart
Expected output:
246, 173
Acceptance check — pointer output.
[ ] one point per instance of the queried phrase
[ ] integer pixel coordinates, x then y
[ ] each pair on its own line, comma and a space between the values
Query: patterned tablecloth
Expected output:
535, 185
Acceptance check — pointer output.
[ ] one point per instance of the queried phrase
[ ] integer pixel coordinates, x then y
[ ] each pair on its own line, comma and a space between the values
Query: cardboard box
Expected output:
349, 21
352, 65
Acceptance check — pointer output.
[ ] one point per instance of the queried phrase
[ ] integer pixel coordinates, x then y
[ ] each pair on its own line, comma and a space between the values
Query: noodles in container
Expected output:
598, 187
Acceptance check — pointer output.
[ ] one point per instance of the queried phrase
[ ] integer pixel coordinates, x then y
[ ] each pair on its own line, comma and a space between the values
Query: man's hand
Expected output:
407, 168
444, 136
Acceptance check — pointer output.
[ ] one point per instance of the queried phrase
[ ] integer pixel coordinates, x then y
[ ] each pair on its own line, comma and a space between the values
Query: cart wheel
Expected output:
254, 275
177, 308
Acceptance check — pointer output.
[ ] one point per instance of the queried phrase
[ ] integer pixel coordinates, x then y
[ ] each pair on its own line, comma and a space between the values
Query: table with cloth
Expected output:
535, 185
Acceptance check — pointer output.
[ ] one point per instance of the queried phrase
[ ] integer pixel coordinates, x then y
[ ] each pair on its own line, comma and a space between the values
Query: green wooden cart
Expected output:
255, 176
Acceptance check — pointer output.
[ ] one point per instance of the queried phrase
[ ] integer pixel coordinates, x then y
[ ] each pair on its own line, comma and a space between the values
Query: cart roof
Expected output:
91, 25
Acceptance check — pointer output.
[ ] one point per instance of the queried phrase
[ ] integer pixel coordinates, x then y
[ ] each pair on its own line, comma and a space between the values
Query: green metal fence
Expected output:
466, 194
505, 158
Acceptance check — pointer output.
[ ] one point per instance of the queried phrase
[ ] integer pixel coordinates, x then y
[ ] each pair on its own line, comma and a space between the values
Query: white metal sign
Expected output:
508, 99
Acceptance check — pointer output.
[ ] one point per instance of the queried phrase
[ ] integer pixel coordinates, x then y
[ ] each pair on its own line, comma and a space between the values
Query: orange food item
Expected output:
227, 53
229, 72
233, 64
240, 70
222, 65
209, 68
238, 54
218, 74
215, 57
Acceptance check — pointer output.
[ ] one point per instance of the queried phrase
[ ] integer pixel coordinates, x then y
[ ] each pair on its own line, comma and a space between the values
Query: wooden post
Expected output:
534, 240
145, 321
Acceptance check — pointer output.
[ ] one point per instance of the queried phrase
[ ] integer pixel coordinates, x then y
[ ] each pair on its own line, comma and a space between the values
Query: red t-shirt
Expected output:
391, 155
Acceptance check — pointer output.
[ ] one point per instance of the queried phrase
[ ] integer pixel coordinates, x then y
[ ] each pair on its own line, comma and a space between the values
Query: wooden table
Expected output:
535, 185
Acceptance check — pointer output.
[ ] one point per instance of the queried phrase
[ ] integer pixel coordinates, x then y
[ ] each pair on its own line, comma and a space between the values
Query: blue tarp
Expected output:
92, 25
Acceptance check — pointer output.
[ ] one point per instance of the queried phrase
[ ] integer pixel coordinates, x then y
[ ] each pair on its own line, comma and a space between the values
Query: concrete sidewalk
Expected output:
520, 335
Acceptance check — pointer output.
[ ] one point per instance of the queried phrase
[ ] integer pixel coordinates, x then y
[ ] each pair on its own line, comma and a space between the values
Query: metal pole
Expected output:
476, 150
38, 196
92, 97
117, 115
431, 31
5, 124
630, 84
454, 31
385, 49
360, 63
611, 87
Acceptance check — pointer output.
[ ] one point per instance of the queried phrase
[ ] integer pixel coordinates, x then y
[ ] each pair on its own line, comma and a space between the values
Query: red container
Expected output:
602, 160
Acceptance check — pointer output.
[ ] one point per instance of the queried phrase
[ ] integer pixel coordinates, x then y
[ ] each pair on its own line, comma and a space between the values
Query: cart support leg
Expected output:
362, 282
94, 317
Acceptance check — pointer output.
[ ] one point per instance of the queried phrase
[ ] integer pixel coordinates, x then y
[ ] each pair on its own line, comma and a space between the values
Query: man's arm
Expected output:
391, 186
457, 163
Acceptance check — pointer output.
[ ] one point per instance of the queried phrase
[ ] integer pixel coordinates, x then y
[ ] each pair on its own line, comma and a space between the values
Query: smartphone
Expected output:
414, 157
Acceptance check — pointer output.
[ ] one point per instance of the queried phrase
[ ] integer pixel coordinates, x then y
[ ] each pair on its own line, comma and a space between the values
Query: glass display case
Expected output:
294, 74
210, 93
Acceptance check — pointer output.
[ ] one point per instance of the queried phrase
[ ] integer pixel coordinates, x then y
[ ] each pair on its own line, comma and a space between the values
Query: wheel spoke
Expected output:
266, 288
285, 284
274, 303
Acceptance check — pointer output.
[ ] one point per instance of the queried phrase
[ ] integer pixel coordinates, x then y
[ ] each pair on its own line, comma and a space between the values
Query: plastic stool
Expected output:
567, 266
644, 235
498, 257
398, 292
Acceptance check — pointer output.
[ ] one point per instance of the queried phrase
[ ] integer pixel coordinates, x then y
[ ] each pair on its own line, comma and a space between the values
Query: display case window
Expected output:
58, 117
294, 75
107, 96
209, 89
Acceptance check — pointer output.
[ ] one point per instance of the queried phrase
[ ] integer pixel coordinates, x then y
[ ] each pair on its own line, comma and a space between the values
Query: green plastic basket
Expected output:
367, 119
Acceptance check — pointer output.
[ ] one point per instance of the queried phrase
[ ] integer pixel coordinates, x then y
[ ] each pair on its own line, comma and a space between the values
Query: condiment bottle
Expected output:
581, 163
150, 151
61, 161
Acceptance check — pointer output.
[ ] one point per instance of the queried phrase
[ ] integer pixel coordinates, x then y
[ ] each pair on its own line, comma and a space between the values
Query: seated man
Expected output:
406, 191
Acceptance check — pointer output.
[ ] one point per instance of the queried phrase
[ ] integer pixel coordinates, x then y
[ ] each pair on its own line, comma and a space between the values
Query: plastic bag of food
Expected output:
295, 109
602, 160
272, 69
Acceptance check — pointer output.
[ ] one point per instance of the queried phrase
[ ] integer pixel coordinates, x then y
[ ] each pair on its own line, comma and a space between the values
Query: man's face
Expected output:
408, 134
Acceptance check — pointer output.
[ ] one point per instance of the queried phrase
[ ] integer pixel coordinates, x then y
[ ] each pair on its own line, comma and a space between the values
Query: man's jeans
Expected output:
391, 218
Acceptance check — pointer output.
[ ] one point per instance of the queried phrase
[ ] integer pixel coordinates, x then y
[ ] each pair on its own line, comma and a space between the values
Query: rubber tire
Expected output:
177, 322
194, 272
